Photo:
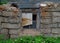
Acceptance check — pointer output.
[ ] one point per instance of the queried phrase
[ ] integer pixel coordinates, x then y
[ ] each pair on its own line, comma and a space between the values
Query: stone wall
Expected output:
9, 24
50, 23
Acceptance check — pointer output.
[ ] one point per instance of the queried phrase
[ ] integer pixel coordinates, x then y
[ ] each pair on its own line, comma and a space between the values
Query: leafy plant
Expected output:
57, 40
32, 39
50, 40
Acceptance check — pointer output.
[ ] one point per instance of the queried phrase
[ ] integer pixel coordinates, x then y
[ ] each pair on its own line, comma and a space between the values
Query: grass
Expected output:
31, 39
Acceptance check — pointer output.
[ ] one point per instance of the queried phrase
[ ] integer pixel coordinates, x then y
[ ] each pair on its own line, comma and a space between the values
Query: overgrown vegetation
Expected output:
31, 39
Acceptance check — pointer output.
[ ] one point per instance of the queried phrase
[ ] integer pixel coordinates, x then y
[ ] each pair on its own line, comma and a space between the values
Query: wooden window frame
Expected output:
37, 22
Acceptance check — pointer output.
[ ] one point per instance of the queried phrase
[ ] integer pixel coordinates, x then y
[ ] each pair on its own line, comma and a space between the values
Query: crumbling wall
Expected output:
50, 21
9, 24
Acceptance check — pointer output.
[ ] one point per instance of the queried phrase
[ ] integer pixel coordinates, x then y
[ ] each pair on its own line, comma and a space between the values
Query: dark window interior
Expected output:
34, 17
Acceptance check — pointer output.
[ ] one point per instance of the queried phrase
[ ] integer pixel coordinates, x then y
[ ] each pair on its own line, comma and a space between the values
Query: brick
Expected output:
8, 25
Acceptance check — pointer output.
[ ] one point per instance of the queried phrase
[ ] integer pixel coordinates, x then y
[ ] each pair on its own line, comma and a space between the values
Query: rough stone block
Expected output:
14, 36
13, 31
45, 30
4, 31
56, 19
1, 19
54, 25
47, 14
48, 26
10, 20
55, 35
0, 13
45, 26
5, 13
29, 32
56, 13
9, 13
13, 20
8, 25
46, 17
5, 19
47, 34
58, 24
46, 21
56, 30
41, 26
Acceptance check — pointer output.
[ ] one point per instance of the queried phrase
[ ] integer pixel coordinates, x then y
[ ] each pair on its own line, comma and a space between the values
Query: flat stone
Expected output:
48, 26
14, 20
13, 31
56, 19
14, 36
56, 30
4, 31
29, 32
46, 21
58, 24
56, 13
10, 20
54, 25
9, 13
45, 30
0, 13
5, 19
46, 17
8, 25
47, 14
1, 19
5, 13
